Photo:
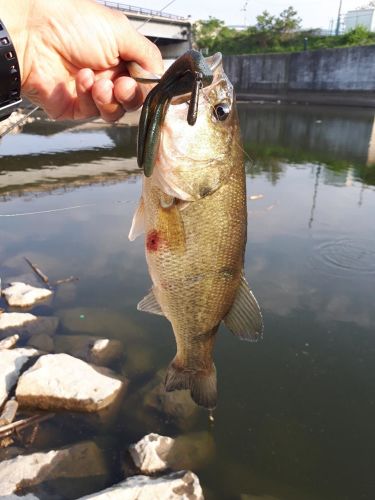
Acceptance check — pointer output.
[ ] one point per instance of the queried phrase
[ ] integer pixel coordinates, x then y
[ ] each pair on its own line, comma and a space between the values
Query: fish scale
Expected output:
193, 213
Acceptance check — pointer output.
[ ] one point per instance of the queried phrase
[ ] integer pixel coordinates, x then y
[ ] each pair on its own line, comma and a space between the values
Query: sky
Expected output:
314, 13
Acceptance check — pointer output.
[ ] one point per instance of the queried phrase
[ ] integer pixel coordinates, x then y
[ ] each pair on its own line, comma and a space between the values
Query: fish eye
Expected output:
221, 111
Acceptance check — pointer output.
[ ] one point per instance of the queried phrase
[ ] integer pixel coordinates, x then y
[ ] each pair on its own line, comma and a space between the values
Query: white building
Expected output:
360, 17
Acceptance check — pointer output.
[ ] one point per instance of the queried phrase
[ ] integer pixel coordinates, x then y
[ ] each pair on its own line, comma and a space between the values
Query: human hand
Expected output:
73, 56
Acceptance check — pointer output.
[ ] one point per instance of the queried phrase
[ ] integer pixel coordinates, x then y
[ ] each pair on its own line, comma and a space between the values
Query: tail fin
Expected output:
202, 383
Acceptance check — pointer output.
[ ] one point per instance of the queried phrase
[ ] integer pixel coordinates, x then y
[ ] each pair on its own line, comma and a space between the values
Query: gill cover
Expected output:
187, 75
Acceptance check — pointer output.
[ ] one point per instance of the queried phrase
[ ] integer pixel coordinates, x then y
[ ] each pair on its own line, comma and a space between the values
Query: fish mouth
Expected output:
173, 152
214, 61
189, 74
198, 163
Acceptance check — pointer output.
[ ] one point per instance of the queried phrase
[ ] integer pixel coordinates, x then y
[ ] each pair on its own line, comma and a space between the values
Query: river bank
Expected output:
340, 77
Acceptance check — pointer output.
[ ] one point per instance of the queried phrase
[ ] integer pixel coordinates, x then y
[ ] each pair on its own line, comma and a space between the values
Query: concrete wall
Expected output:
330, 71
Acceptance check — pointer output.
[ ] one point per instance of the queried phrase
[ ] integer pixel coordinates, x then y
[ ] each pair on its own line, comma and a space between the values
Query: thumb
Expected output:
135, 47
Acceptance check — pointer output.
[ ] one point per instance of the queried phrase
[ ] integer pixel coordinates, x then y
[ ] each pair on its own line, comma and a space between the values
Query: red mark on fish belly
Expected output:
153, 241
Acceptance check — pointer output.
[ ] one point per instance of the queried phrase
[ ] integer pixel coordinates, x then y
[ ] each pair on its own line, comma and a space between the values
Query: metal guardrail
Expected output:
140, 10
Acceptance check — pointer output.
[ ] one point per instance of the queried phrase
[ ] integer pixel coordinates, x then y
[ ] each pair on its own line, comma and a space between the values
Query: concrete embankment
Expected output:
330, 76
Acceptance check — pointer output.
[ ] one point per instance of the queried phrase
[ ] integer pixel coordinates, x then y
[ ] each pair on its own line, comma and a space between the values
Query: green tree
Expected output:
280, 33
265, 22
206, 31
287, 23
357, 36
265, 27
273, 29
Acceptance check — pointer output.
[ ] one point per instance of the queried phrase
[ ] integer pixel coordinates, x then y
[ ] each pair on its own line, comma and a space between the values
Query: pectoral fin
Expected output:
138, 224
171, 226
244, 318
150, 304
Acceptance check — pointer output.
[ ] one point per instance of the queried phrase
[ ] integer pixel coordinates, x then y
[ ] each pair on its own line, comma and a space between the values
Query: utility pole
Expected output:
338, 20
330, 28
244, 10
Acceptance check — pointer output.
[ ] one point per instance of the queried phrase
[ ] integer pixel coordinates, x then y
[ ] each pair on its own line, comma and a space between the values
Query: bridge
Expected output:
171, 33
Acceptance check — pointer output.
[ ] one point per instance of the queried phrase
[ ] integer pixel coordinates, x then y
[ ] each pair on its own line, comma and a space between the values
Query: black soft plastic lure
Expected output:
188, 74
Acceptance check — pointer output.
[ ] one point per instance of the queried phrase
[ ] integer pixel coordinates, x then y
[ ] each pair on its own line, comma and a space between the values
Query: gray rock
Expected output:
20, 294
26, 277
13, 321
81, 460
41, 341
84, 459
9, 342
95, 350
140, 359
104, 351
25, 325
151, 452
177, 405
17, 497
27, 470
9, 412
155, 453
182, 485
11, 363
194, 450
59, 381
245, 496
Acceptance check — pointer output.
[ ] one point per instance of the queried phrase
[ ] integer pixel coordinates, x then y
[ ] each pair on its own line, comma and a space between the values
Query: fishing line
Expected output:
152, 17
66, 209
170, 3
21, 121
18, 122
53, 210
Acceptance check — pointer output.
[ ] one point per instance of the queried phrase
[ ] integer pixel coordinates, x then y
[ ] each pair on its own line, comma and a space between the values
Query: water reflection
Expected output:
315, 194
371, 147
340, 138
300, 421
50, 155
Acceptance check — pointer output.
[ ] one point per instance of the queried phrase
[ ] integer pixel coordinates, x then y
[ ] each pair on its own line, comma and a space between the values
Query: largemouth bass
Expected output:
193, 213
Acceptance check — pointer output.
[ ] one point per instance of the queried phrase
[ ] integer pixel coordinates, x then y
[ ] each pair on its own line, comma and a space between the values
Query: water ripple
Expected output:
345, 255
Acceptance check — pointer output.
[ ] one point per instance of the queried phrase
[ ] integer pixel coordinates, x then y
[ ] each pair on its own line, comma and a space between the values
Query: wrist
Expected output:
16, 18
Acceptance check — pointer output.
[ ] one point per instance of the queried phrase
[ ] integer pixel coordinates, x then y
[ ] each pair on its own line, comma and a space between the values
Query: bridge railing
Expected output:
140, 10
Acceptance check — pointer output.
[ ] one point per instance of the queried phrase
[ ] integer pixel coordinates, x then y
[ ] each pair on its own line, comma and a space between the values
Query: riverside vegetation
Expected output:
280, 33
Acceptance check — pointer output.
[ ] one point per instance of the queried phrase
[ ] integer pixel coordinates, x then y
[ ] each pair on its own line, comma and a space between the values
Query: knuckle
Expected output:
153, 50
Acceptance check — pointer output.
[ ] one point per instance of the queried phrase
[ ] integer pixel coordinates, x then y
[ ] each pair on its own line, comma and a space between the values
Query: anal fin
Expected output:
245, 318
150, 304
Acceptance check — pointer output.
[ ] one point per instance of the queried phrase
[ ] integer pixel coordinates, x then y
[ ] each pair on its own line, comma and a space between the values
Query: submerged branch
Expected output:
66, 280
7, 430
37, 271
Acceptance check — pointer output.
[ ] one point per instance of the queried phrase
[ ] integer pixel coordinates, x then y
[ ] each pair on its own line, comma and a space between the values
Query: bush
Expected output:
272, 34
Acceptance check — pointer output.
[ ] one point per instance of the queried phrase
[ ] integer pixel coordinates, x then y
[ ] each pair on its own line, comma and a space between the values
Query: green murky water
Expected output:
296, 412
